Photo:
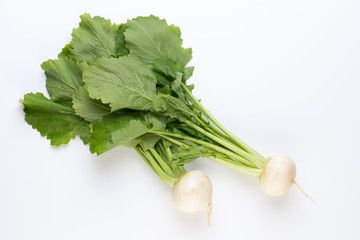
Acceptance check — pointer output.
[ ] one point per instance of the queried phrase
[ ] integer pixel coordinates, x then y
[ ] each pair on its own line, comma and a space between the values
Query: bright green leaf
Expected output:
90, 109
59, 123
188, 72
158, 123
120, 41
63, 78
102, 130
186, 154
160, 103
127, 129
149, 38
167, 67
66, 51
129, 135
149, 140
176, 108
139, 131
94, 38
164, 90
122, 82
176, 84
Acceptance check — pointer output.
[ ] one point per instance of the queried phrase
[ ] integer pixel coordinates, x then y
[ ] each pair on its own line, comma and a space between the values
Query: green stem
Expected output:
164, 151
143, 156
217, 132
214, 130
245, 169
174, 141
255, 162
230, 163
190, 113
162, 163
168, 152
151, 161
161, 150
220, 126
206, 144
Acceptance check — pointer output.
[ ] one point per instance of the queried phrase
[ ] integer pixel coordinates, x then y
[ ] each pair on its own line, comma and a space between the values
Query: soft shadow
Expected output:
195, 221
115, 158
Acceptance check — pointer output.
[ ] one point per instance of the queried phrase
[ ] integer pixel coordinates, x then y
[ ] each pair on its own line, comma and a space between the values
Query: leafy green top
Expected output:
108, 83
126, 85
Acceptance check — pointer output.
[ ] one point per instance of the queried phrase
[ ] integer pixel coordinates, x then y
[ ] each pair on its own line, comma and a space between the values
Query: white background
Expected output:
282, 75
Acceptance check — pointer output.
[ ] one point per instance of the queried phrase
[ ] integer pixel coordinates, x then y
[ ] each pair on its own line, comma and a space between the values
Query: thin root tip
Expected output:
208, 211
297, 185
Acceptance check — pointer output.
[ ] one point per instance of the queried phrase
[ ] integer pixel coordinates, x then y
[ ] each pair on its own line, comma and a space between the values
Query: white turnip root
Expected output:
278, 175
193, 192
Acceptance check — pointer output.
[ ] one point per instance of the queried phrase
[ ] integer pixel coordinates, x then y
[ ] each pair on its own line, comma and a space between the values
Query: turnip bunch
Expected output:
126, 85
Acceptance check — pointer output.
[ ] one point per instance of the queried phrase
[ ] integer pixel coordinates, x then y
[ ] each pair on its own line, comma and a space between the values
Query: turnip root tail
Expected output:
208, 211
297, 185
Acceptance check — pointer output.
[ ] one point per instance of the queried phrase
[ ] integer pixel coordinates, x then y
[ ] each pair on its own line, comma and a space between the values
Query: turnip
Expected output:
193, 192
278, 175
